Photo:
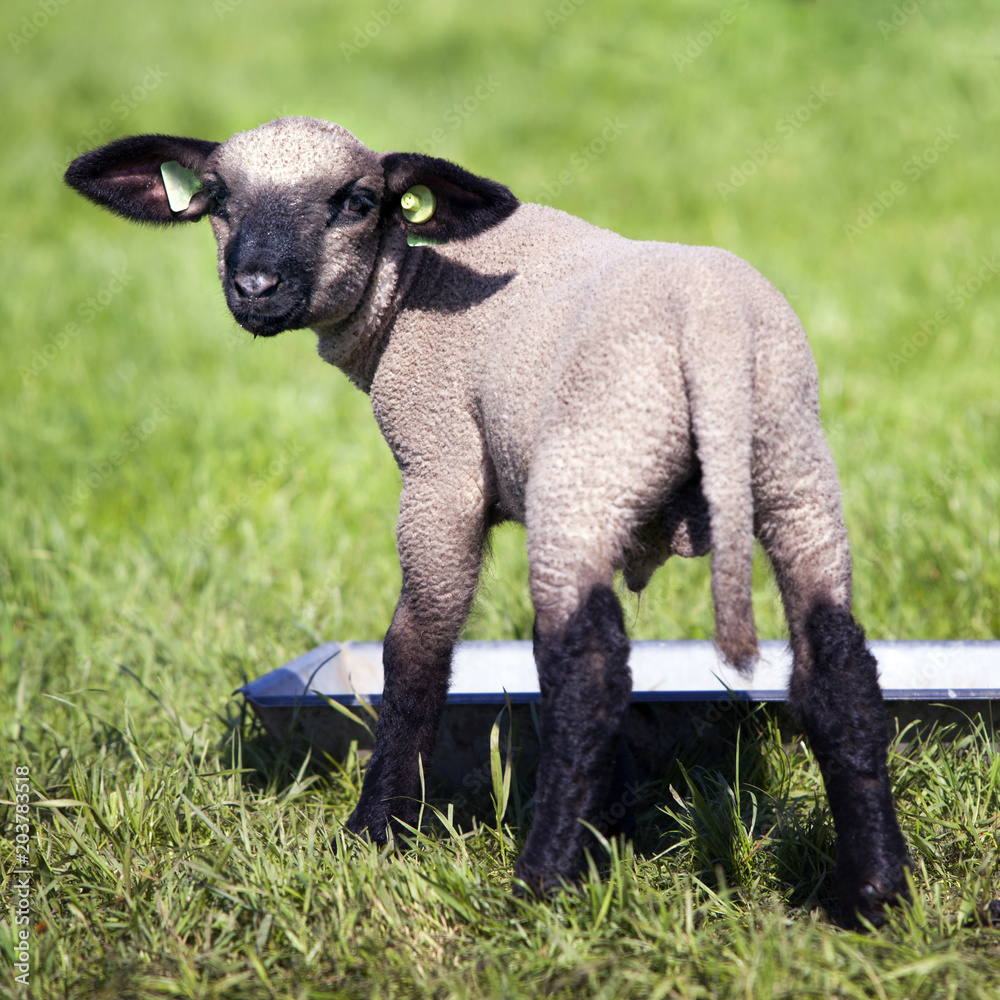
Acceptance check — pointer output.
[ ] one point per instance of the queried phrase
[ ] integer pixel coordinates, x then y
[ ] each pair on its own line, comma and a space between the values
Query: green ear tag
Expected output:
419, 240
181, 183
418, 203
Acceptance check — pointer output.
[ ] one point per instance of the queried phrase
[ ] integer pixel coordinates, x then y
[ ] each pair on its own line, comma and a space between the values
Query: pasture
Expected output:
185, 508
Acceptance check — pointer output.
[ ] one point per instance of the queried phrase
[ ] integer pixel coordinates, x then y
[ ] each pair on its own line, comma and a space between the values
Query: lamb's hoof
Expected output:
365, 828
538, 883
523, 889
868, 903
528, 884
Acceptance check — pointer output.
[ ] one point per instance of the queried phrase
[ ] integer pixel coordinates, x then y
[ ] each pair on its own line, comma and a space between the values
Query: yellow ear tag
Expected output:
418, 203
181, 183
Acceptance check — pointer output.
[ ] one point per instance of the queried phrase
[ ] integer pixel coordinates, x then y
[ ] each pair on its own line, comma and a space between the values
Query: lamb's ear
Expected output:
131, 177
460, 204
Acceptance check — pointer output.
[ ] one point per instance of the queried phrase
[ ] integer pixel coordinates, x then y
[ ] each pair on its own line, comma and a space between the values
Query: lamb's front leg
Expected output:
440, 540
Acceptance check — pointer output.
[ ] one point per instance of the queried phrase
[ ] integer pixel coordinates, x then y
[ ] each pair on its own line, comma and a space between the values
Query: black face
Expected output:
299, 209
266, 283
270, 241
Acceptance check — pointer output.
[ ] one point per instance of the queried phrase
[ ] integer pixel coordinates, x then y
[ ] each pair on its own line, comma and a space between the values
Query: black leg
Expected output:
440, 547
586, 686
416, 672
840, 704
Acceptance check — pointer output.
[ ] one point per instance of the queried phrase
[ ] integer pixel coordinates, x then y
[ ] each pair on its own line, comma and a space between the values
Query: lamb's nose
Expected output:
256, 284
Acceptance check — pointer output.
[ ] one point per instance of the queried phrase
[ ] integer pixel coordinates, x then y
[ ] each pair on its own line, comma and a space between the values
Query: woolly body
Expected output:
591, 392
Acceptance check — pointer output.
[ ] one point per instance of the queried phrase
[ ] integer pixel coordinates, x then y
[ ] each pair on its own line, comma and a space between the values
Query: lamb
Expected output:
623, 400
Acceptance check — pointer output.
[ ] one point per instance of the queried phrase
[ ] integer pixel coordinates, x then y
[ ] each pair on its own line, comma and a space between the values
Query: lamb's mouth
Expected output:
264, 324
267, 305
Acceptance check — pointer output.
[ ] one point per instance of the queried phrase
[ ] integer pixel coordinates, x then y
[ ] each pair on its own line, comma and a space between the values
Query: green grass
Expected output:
194, 866
250, 512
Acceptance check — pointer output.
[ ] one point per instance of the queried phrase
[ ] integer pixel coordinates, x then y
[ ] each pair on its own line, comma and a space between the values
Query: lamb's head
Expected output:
299, 207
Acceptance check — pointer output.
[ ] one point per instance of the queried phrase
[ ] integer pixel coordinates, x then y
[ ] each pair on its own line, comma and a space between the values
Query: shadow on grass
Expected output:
741, 806
723, 803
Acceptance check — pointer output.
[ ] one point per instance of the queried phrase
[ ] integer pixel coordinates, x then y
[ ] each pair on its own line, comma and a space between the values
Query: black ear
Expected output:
125, 176
464, 204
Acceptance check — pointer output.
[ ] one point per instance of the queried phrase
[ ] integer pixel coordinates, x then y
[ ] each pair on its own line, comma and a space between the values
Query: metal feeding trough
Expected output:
681, 691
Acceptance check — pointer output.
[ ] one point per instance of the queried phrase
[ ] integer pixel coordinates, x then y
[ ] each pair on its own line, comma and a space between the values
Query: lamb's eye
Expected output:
350, 204
218, 206
358, 202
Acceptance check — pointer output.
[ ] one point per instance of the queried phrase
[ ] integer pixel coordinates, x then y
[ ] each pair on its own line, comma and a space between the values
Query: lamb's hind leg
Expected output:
586, 685
581, 652
839, 701
834, 690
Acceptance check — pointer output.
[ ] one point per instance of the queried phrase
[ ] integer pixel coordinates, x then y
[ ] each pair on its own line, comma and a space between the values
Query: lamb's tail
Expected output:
718, 363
